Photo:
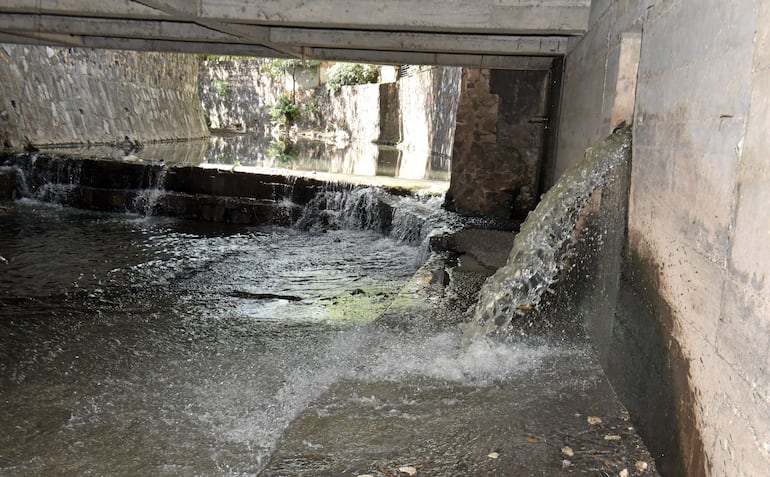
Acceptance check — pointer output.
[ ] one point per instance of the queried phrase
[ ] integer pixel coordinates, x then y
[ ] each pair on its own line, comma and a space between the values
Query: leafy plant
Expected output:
342, 74
223, 88
278, 67
285, 111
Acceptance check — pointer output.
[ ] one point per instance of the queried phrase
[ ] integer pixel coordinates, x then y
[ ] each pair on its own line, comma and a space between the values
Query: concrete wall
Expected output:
698, 219
499, 142
68, 95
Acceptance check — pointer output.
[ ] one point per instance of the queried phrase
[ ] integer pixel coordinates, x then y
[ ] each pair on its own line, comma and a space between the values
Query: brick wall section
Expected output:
68, 95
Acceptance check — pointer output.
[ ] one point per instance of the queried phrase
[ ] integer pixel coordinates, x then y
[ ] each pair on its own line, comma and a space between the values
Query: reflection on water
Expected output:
300, 154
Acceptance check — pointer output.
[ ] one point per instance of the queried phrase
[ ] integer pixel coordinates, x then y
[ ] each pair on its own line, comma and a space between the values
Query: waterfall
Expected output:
52, 181
542, 250
146, 200
404, 218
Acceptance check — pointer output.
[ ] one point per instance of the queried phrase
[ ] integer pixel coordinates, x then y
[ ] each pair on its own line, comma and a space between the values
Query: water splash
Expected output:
146, 200
407, 219
542, 248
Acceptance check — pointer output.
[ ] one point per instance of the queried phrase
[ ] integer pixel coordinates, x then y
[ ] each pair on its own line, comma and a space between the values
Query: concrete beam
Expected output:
489, 33
339, 39
508, 17
489, 16
105, 27
84, 8
138, 44
188, 11
425, 42
541, 63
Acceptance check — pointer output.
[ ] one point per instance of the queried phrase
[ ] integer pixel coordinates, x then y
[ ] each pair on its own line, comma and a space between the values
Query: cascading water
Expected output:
407, 219
542, 249
151, 346
146, 200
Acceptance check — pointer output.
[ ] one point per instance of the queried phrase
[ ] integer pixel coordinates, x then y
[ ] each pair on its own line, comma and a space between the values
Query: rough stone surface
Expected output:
69, 95
698, 221
236, 94
498, 145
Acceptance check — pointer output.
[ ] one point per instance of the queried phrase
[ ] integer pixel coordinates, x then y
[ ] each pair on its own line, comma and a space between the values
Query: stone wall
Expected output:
696, 278
417, 113
237, 94
498, 143
69, 95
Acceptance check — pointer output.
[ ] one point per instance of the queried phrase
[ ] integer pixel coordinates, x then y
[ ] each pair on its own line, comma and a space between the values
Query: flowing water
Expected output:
543, 250
150, 346
146, 346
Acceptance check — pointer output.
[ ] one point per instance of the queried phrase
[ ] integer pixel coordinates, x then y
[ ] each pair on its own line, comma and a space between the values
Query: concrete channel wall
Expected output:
697, 271
69, 95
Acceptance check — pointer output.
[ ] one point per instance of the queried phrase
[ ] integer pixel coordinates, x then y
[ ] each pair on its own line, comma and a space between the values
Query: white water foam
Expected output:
542, 248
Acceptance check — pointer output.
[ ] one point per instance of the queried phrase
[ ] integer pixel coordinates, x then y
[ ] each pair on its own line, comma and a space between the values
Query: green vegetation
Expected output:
285, 110
342, 74
278, 67
283, 151
223, 89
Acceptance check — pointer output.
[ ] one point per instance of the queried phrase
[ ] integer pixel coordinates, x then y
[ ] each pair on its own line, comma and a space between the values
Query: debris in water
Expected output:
566, 450
365, 475
531, 439
623, 473
494, 455
525, 307
612, 437
641, 465
263, 296
566, 463
3, 259
593, 420
408, 470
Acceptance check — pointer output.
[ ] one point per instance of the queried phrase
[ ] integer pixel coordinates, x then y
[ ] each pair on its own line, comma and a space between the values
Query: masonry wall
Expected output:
236, 94
697, 256
68, 95
499, 142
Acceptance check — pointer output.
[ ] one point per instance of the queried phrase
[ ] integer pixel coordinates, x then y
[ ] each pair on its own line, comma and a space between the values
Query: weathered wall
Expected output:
235, 94
498, 143
698, 223
418, 114
428, 102
69, 95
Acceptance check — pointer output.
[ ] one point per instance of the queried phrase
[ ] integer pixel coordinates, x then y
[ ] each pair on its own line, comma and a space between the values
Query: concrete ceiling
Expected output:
514, 34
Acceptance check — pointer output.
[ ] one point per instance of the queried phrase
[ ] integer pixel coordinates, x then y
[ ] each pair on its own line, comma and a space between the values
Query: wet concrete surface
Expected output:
538, 423
554, 413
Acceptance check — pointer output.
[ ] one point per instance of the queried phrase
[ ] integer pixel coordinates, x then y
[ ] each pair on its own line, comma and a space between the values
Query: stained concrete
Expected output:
697, 224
